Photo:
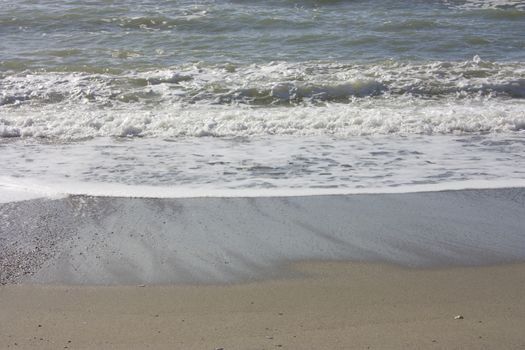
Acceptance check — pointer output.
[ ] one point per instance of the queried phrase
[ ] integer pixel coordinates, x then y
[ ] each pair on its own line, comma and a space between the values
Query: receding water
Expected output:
290, 75
268, 163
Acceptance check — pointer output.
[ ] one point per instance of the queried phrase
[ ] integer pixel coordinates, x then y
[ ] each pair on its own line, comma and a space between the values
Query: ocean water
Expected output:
231, 96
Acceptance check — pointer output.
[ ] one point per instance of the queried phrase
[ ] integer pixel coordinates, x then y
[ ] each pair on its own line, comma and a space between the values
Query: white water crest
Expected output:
487, 4
370, 118
272, 99
274, 83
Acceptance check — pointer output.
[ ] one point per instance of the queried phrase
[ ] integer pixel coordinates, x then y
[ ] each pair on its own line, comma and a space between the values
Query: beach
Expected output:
334, 272
332, 306
221, 174
107, 241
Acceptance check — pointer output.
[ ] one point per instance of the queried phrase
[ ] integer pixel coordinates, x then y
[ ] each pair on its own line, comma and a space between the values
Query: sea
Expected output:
178, 98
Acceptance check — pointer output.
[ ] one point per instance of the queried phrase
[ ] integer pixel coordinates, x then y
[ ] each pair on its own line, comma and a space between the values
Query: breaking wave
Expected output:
308, 98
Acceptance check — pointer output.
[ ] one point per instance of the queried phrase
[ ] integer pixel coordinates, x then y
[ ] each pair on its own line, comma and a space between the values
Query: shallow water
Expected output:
66, 35
310, 94
262, 166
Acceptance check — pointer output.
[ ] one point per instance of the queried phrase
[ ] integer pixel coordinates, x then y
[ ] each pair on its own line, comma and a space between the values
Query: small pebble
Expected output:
458, 317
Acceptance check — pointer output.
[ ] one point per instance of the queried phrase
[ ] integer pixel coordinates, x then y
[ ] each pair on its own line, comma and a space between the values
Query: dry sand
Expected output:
333, 306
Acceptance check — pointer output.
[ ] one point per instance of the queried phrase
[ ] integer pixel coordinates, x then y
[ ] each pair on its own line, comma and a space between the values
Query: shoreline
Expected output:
81, 240
414, 270
16, 190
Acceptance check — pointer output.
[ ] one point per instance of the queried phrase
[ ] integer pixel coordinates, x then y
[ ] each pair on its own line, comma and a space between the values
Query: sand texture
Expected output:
126, 241
436, 270
336, 306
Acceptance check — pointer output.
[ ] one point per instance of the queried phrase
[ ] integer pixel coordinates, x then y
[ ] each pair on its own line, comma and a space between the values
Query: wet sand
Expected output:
128, 241
386, 271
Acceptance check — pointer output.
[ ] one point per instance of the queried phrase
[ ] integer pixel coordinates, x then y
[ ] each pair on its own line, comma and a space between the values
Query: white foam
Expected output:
16, 190
487, 4
280, 98
371, 117
13, 190
189, 167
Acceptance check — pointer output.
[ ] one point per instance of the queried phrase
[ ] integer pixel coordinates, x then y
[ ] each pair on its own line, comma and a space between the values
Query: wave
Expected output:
505, 9
308, 98
275, 83
368, 117
412, 24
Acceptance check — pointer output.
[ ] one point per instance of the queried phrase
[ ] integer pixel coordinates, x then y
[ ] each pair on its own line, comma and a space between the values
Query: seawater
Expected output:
282, 94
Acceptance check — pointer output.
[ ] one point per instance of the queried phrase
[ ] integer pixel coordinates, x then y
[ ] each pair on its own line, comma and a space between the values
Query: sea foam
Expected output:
274, 99
269, 166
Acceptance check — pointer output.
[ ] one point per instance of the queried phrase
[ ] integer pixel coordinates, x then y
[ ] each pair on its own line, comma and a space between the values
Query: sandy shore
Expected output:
334, 306
388, 271
126, 241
